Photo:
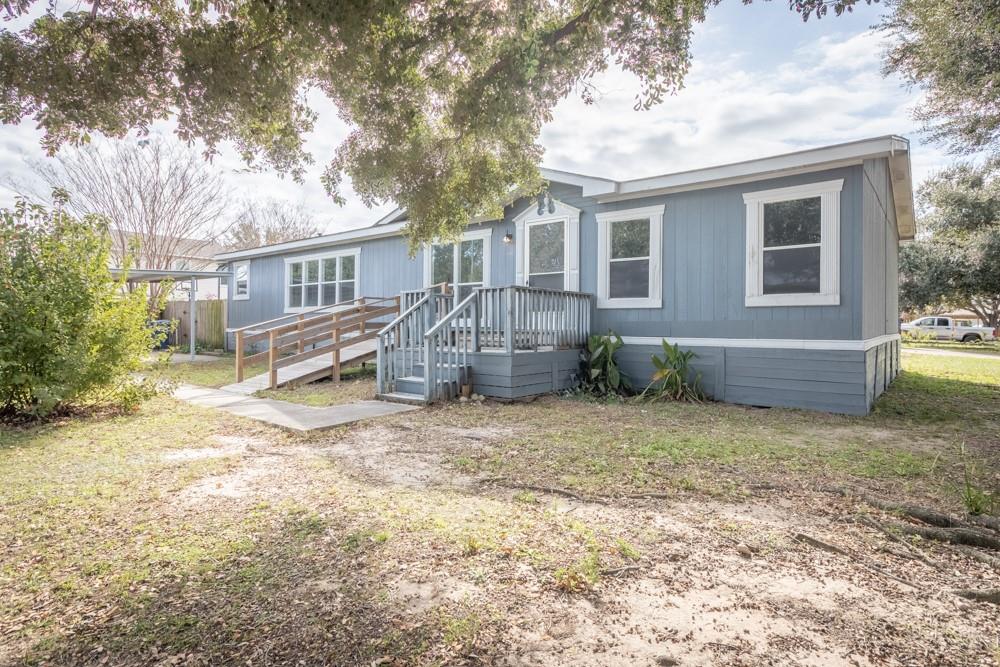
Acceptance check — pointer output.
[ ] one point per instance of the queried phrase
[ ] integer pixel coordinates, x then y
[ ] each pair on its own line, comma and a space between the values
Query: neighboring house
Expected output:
188, 255
780, 272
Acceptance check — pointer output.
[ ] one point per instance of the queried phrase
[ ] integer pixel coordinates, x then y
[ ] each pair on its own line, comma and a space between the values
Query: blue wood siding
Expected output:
880, 273
703, 260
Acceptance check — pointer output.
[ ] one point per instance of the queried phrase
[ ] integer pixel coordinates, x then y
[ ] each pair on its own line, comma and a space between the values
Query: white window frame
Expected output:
605, 221
564, 213
346, 252
829, 260
236, 292
485, 235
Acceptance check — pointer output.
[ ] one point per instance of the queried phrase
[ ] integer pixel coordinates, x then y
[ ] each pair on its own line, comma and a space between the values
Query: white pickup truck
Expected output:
948, 328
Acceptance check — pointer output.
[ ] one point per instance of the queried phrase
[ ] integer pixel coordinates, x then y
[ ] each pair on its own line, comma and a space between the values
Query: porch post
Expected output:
194, 314
508, 325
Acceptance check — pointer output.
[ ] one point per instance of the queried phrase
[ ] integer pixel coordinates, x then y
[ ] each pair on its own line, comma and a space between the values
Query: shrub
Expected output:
599, 372
69, 332
670, 379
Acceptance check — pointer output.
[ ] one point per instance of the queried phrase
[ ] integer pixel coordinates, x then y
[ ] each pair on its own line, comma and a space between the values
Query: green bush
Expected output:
70, 334
599, 373
673, 378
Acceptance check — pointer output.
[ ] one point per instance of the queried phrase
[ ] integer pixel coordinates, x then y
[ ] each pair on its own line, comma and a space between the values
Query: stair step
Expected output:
403, 397
411, 384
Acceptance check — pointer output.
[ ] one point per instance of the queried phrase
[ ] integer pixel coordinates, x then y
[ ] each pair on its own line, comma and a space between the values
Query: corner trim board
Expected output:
767, 343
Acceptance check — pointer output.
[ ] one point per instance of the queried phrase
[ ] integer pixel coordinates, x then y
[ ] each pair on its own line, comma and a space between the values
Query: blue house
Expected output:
780, 273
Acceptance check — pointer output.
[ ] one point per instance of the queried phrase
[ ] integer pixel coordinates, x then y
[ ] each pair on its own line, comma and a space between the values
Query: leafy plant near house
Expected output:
599, 372
670, 379
69, 333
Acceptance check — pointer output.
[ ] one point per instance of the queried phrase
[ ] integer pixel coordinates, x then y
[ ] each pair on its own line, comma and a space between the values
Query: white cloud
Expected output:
830, 90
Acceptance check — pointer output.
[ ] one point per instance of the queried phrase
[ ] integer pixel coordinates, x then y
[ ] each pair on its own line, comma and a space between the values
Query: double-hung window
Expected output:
321, 280
464, 265
629, 250
241, 281
793, 245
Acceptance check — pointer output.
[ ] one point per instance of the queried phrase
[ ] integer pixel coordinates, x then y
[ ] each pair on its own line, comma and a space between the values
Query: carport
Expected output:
134, 276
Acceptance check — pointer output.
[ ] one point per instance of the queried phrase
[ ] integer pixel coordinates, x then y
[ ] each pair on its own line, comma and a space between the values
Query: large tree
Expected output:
446, 99
161, 199
266, 223
956, 262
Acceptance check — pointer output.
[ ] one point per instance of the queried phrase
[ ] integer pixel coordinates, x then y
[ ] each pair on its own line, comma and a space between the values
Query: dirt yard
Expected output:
557, 532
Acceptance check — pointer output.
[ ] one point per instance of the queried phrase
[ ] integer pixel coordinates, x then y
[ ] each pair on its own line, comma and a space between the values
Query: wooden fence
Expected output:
211, 324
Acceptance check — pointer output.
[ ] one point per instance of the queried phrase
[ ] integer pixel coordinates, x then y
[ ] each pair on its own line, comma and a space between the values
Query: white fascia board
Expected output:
808, 160
363, 234
592, 185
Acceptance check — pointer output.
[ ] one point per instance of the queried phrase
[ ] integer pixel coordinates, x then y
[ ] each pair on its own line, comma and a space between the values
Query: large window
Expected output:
629, 266
793, 245
464, 266
321, 280
241, 281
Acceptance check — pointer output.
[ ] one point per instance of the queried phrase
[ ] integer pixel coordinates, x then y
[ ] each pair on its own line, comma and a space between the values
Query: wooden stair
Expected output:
410, 388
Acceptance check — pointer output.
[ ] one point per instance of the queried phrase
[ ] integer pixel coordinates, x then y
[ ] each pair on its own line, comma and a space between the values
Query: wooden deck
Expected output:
308, 370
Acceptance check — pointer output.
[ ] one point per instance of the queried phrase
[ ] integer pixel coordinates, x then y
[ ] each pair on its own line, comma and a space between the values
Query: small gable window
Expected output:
793, 245
241, 281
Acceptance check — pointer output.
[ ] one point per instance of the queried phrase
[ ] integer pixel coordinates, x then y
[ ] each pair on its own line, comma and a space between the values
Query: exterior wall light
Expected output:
508, 238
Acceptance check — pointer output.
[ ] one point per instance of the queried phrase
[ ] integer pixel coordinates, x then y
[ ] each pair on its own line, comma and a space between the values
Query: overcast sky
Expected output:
762, 83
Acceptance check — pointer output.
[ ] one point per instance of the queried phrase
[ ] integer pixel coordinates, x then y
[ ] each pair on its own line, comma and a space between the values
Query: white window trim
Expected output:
829, 261
321, 256
236, 295
486, 235
564, 213
655, 216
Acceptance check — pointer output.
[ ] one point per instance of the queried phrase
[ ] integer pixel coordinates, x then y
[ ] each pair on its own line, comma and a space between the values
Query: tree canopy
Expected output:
445, 99
957, 261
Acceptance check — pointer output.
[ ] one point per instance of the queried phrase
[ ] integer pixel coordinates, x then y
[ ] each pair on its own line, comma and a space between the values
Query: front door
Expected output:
545, 252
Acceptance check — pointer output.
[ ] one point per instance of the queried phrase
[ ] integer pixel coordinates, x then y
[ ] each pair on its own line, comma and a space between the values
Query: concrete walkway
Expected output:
287, 415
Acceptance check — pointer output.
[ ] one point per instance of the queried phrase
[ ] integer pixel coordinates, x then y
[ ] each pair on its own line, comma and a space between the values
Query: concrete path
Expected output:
951, 353
287, 415
349, 356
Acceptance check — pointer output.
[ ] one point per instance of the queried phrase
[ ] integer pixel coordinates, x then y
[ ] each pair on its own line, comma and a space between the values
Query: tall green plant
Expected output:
599, 371
670, 379
69, 332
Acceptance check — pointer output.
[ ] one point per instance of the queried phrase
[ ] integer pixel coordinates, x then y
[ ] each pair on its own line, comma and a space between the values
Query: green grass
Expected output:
912, 438
357, 383
104, 543
209, 373
987, 348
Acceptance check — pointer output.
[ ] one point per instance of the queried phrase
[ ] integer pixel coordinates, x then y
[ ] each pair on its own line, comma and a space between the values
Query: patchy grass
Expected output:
209, 373
180, 535
356, 384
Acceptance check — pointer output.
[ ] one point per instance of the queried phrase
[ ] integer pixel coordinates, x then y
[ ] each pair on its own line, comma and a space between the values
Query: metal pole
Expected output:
193, 312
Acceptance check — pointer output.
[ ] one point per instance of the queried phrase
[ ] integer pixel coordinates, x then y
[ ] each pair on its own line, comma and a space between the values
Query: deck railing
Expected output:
447, 346
329, 329
529, 318
400, 343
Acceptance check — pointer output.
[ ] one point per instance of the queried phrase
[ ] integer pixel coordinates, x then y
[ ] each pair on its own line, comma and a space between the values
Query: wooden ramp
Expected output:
311, 345
308, 370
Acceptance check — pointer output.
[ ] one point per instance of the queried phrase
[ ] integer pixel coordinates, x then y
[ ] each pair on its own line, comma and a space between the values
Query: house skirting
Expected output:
833, 376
